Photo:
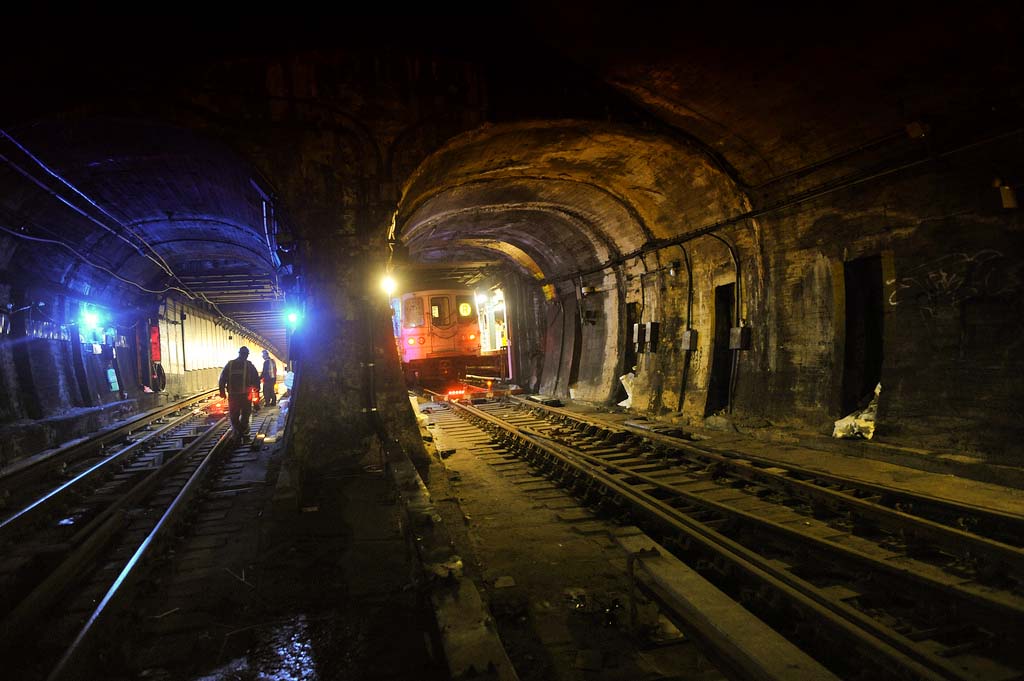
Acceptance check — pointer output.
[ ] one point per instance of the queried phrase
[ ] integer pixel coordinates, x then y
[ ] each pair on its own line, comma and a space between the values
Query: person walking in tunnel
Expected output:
269, 376
238, 376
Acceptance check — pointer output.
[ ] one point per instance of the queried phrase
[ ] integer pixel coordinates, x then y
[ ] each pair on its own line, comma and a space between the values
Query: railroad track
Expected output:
905, 586
73, 557
25, 480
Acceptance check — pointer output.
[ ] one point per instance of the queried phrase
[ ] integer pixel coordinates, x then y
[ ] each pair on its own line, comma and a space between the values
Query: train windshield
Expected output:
441, 310
414, 313
466, 307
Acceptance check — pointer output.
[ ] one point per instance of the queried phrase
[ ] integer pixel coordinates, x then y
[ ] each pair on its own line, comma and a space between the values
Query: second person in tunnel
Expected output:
269, 377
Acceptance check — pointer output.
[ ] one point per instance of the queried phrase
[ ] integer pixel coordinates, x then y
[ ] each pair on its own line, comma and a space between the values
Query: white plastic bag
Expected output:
627, 383
859, 423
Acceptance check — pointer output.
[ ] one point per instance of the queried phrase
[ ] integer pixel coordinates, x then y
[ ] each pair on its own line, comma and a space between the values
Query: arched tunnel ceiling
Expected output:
601, 131
740, 101
570, 194
771, 90
161, 207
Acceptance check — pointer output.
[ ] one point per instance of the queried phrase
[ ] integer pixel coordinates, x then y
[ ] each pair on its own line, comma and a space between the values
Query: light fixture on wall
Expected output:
389, 285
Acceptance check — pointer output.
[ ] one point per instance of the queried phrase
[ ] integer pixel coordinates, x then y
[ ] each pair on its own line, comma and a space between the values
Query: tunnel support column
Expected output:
349, 388
328, 418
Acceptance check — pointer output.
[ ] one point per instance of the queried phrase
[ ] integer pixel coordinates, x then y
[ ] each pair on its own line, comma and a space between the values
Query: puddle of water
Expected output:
283, 653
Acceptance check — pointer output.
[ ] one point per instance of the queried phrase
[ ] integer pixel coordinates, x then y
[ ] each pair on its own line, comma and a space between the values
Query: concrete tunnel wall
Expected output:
951, 266
594, 203
949, 253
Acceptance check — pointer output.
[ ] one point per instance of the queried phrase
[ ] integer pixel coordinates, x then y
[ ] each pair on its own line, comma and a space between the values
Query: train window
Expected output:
441, 310
414, 313
467, 310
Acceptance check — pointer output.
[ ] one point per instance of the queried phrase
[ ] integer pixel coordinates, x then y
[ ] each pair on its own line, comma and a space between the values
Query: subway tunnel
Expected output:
738, 227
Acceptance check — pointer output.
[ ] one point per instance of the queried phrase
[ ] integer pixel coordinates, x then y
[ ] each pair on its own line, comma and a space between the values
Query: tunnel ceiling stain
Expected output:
158, 206
570, 195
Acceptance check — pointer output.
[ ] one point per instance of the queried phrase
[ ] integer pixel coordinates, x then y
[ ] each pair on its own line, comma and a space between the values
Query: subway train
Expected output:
445, 335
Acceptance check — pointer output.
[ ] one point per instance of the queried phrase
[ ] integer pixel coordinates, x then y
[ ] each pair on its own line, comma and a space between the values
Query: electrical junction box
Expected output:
651, 332
639, 337
739, 338
689, 343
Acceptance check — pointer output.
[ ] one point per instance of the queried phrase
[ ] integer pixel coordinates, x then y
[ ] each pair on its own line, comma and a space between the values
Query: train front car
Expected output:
438, 336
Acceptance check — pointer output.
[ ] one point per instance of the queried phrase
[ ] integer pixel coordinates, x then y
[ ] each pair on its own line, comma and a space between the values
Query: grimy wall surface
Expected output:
843, 196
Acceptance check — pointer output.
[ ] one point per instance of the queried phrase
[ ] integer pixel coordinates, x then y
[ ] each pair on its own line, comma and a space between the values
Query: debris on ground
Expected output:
859, 424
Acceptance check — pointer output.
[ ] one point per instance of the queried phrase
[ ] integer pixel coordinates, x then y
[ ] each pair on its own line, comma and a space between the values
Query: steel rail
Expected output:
889, 647
999, 610
954, 540
90, 541
115, 596
17, 473
1014, 523
14, 522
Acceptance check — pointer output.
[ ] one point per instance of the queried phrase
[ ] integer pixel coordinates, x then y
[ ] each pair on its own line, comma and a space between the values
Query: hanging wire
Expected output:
187, 294
155, 257
86, 260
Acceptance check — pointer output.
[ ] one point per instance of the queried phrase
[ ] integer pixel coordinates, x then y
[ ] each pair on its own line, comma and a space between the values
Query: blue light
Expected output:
293, 317
90, 320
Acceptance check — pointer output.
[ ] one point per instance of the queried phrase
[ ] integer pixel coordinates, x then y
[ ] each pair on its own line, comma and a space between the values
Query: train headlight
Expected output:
422, 340
411, 341
472, 336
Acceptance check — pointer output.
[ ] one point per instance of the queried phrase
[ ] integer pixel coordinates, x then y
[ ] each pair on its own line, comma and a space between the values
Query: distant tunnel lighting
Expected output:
90, 320
388, 284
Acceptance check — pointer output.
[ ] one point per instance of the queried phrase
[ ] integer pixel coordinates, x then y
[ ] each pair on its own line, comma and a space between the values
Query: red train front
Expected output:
437, 333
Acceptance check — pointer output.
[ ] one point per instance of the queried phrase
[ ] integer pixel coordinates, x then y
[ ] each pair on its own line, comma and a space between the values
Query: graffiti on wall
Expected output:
954, 278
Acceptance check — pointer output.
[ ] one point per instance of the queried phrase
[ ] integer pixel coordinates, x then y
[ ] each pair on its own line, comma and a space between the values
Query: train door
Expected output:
494, 334
443, 332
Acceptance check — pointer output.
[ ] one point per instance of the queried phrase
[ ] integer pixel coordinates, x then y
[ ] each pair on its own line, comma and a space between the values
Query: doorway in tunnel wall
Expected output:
721, 356
862, 360
629, 349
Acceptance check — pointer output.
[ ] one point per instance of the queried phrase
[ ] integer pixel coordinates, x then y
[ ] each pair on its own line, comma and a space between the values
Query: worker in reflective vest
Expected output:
237, 378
